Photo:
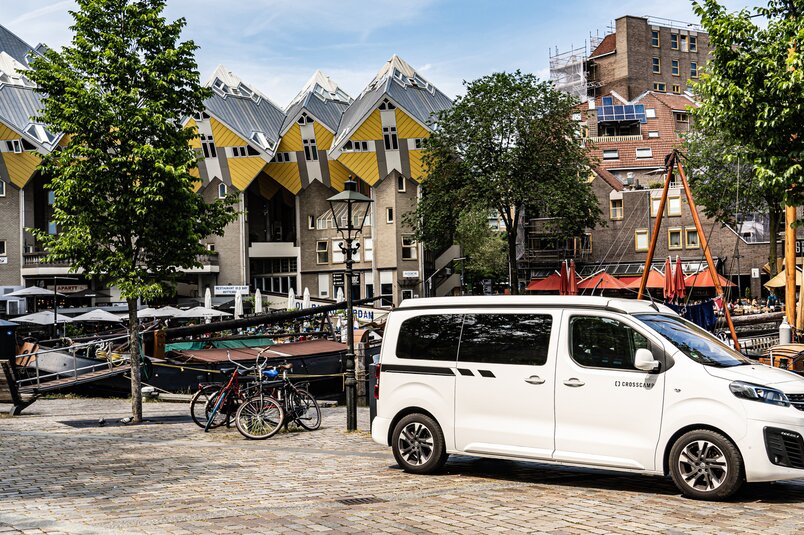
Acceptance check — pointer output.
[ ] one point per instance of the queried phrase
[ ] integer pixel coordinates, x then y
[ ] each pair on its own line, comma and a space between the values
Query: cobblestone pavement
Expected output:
60, 472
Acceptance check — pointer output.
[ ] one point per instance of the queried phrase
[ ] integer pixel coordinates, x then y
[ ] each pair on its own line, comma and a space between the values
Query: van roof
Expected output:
628, 306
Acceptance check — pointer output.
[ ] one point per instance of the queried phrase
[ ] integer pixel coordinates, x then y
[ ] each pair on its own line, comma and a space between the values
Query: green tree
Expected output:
484, 248
753, 87
723, 179
123, 193
508, 145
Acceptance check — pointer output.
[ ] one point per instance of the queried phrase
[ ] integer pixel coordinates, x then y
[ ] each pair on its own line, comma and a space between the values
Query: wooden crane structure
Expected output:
673, 161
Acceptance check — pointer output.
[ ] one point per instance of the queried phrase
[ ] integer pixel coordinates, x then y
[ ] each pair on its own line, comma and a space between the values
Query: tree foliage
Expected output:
484, 248
124, 200
753, 88
508, 145
723, 179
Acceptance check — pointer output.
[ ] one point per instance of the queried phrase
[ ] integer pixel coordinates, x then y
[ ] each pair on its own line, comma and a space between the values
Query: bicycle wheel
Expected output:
198, 405
259, 418
217, 409
306, 411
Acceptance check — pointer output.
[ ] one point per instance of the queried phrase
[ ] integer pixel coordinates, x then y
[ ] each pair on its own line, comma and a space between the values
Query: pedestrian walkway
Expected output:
63, 472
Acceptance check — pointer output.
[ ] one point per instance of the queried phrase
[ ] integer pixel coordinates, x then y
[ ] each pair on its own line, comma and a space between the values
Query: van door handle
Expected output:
535, 380
574, 382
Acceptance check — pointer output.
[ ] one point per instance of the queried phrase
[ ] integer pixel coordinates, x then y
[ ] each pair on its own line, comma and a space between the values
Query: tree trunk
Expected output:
773, 227
512, 268
134, 348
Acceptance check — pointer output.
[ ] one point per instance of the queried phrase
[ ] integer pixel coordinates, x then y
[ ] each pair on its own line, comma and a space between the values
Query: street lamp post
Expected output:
352, 199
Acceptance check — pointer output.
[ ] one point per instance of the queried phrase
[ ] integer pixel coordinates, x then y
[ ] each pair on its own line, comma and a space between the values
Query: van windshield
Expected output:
693, 341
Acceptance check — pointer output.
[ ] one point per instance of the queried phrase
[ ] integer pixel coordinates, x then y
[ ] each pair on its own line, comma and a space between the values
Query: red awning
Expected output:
550, 284
655, 281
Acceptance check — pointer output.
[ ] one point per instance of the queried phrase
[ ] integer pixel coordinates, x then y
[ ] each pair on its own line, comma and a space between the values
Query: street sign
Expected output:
338, 278
799, 247
231, 290
410, 274
754, 273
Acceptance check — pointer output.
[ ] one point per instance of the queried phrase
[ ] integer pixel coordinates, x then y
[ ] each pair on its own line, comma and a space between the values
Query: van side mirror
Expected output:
643, 360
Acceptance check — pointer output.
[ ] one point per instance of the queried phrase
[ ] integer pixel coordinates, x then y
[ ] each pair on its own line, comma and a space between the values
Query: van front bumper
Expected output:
774, 451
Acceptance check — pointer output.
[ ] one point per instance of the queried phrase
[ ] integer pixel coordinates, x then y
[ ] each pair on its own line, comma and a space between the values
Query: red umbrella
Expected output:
550, 284
564, 286
573, 279
601, 281
681, 288
669, 286
655, 280
703, 279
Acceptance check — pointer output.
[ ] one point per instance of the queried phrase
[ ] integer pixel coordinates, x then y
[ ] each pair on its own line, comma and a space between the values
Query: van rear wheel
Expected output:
418, 444
706, 465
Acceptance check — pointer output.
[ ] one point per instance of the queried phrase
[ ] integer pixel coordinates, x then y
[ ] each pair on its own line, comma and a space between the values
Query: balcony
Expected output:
275, 249
613, 139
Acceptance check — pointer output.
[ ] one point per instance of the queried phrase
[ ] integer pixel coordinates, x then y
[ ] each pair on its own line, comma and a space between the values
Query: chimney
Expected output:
591, 118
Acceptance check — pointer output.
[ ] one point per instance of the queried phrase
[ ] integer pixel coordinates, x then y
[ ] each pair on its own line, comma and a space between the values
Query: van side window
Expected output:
433, 337
506, 338
604, 343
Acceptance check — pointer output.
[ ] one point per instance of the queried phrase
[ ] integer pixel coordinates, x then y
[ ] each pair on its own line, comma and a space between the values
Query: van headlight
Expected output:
744, 390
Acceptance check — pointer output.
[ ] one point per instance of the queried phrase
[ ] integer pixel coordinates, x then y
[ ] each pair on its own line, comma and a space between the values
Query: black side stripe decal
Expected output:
464, 371
485, 373
424, 370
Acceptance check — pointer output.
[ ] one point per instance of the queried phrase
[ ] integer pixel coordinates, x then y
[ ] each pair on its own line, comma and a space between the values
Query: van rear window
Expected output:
432, 337
522, 339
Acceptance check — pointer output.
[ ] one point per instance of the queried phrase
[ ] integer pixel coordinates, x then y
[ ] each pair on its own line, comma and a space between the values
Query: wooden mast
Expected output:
673, 161
790, 265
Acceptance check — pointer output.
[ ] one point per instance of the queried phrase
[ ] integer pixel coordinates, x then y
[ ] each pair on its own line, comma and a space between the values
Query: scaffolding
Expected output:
568, 69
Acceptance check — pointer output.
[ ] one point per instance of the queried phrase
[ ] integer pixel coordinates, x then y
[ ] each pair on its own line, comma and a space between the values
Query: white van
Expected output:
583, 381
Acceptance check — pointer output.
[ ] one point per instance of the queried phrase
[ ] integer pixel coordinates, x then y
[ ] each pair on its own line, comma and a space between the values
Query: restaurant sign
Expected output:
231, 290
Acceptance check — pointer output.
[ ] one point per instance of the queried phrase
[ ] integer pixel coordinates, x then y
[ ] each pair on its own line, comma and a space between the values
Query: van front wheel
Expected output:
705, 465
418, 444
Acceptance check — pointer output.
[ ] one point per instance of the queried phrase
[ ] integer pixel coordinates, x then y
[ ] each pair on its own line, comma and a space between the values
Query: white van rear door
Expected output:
504, 387
607, 412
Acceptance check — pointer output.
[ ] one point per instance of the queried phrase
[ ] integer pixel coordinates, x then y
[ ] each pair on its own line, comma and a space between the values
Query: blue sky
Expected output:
276, 45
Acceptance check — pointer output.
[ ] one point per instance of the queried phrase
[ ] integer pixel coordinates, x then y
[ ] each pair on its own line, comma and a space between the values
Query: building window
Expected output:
387, 105
400, 183
281, 157
692, 238
657, 65
408, 248
339, 252
693, 43
659, 86
322, 252
418, 143
674, 41
646, 152
311, 222
356, 146
654, 38
2, 247
684, 47
693, 69
653, 133
51, 228
389, 215
650, 113
674, 67
654, 206
222, 189
611, 154
676, 88
674, 238
239, 152
2, 189
211, 247
208, 146
310, 150
641, 240
368, 250
682, 117
616, 209
14, 145
674, 206
389, 136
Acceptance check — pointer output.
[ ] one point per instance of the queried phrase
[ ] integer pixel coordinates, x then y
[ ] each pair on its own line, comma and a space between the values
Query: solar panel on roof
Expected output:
608, 101
628, 112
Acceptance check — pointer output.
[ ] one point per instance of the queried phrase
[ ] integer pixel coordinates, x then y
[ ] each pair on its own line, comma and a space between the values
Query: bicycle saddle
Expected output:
228, 370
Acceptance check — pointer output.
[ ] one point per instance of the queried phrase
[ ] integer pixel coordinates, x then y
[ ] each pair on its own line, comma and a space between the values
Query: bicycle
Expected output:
257, 418
221, 405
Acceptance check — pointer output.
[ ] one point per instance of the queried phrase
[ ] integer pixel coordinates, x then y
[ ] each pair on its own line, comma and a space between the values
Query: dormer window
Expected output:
305, 119
387, 105
200, 116
38, 131
260, 139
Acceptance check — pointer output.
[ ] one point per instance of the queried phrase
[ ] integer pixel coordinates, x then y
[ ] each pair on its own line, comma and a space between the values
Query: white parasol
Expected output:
202, 312
291, 299
258, 302
306, 298
98, 315
238, 307
44, 317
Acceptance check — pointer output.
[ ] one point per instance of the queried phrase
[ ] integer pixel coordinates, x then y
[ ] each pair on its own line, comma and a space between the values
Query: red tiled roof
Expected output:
606, 46
610, 179
673, 101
